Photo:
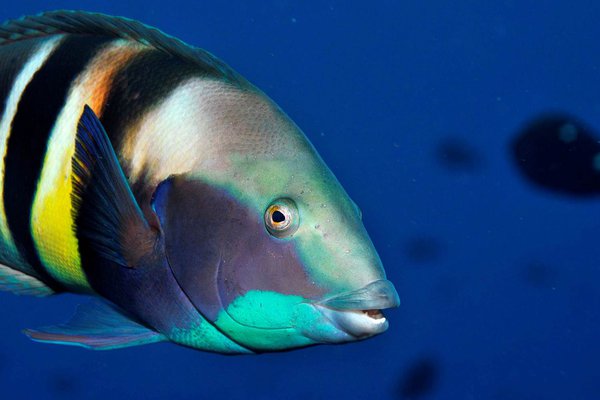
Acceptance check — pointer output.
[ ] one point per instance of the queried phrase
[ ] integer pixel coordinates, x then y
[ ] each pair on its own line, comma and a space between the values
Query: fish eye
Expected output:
281, 218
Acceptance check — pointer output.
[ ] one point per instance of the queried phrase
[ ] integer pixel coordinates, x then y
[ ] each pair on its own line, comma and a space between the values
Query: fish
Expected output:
149, 176
559, 153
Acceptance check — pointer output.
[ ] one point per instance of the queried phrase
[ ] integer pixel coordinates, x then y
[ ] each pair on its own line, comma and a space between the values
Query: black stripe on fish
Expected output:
144, 82
38, 109
14, 56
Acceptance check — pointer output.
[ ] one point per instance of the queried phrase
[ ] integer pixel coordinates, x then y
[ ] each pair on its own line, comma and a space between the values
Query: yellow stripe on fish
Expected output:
52, 216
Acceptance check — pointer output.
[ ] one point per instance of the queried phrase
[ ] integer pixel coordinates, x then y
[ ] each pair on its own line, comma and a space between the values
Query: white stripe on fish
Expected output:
37, 61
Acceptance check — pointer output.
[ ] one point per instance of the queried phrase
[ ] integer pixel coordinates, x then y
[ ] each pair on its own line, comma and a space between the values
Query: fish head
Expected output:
270, 249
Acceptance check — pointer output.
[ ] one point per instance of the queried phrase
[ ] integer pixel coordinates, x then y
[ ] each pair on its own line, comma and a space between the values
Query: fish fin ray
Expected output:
105, 209
81, 22
97, 325
20, 283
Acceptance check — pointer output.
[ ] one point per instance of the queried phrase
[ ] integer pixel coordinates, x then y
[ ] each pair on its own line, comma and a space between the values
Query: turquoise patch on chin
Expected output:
265, 321
262, 309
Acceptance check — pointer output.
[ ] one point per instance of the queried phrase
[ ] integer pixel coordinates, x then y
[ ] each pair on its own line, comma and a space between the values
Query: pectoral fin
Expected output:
21, 283
108, 215
97, 326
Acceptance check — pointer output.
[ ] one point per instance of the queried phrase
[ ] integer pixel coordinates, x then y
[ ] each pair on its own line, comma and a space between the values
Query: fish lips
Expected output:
358, 313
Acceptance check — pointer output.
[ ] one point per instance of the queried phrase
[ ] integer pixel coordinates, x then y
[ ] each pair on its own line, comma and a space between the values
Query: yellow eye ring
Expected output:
281, 218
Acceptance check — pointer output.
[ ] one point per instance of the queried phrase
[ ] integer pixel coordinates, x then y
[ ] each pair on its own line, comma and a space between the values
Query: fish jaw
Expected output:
358, 324
358, 313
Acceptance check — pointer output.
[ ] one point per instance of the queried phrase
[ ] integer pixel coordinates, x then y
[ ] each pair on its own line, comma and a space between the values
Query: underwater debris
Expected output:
540, 275
420, 379
457, 155
423, 249
558, 152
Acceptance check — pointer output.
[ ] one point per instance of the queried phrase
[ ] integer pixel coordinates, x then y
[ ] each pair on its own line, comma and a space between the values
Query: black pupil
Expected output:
278, 216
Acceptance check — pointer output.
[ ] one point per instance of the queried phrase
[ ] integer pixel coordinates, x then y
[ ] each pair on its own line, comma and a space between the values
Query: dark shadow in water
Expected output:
420, 379
458, 156
540, 275
560, 153
423, 249
64, 385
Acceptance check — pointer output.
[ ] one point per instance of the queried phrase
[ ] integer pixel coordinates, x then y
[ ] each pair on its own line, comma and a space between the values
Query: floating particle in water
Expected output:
457, 155
423, 249
560, 153
540, 275
420, 379
63, 384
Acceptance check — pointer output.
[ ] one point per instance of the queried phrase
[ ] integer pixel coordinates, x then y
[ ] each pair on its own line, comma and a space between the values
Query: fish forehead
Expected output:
209, 122
239, 140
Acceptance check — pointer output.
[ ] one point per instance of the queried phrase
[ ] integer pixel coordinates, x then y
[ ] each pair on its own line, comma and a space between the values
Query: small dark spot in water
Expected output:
420, 379
423, 249
457, 155
540, 275
560, 153
63, 384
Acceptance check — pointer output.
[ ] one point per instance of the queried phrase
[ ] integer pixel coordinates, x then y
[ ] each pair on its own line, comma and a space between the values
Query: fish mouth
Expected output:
359, 312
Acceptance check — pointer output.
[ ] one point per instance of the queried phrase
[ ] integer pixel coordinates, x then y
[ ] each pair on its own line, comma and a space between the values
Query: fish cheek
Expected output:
261, 275
219, 249
187, 223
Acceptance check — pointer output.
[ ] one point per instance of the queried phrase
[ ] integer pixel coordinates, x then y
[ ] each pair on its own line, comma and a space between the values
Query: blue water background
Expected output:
498, 280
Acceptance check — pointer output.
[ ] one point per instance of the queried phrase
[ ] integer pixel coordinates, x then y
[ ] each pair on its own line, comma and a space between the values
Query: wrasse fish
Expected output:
149, 175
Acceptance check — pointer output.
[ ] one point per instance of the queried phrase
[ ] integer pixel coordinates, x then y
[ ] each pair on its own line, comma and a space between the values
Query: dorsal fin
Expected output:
87, 23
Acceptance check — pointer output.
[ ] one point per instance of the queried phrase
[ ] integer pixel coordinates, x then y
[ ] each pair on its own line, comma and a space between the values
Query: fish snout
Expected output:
358, 312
